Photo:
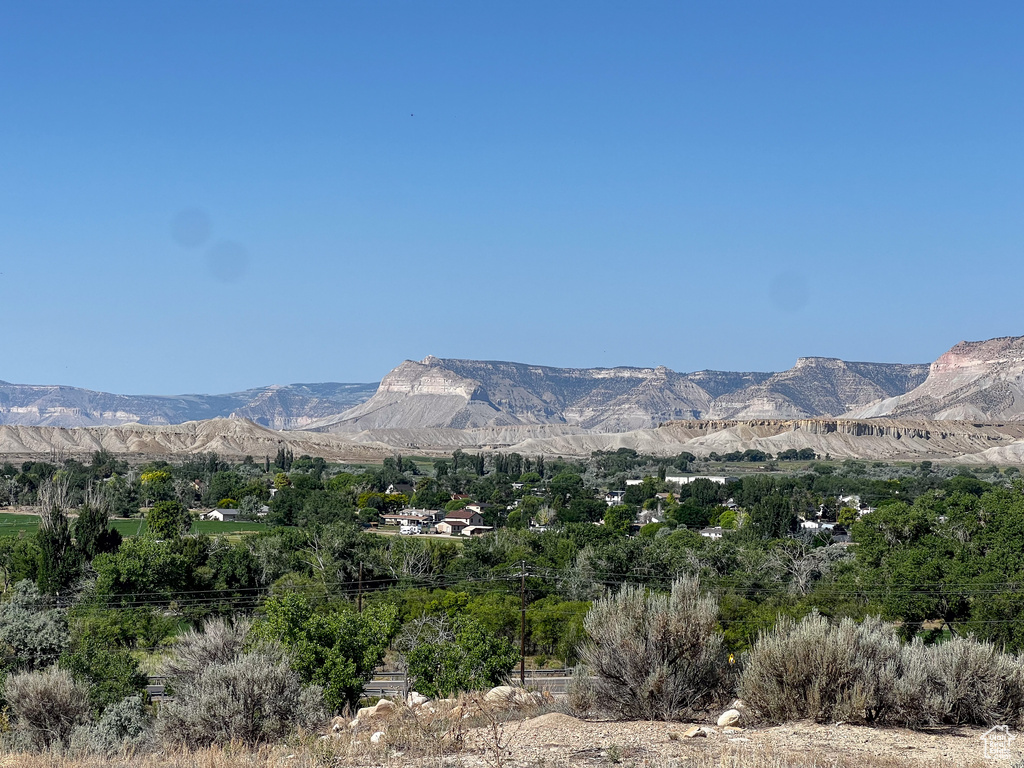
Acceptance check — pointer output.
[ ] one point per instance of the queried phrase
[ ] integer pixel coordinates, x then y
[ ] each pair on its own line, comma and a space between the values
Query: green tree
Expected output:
168, 520
111, 673
92, 533
462, 656
334, 647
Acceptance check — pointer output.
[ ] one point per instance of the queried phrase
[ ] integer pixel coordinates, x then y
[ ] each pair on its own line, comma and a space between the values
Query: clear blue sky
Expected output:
203, 197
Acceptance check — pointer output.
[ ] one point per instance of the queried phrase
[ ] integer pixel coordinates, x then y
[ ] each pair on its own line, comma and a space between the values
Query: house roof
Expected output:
454, 523
462, 514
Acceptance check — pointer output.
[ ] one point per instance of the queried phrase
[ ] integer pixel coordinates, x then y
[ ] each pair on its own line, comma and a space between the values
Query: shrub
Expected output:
970, 682
223, 693
863, 673
654, 656
32, 633
256, 698
220, 642
826, 673
123, 727
46, 706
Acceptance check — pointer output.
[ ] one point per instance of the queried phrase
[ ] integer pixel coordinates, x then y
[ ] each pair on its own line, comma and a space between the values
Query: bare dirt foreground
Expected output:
556, 740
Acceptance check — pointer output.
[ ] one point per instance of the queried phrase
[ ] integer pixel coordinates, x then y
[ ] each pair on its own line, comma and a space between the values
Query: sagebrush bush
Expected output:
223, 694
972, 682
863, 673
220, 642
815, 670
123, 727
654, 656
46, 707
33, 633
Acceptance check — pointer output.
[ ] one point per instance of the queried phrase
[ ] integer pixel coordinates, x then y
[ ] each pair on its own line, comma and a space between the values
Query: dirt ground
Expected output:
558, 739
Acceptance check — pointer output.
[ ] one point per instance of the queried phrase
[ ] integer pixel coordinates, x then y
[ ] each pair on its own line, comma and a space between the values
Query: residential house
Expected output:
712, 533
221, 515
476, 530
451, 527
613, 498
467, 516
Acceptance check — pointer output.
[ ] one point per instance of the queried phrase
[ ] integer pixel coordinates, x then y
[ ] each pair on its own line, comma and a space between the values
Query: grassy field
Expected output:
12, 525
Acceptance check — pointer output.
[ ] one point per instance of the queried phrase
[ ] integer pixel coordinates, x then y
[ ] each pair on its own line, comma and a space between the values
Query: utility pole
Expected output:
522, 624
359, 593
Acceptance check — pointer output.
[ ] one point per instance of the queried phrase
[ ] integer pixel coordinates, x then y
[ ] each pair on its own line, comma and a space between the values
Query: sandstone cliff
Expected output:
976, 380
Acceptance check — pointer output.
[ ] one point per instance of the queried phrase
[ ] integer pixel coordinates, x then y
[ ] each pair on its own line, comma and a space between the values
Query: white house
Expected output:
687, 479
221, 515
712, 533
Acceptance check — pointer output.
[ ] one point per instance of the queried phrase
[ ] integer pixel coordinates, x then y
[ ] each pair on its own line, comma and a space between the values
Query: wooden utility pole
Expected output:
359, 593
522, 624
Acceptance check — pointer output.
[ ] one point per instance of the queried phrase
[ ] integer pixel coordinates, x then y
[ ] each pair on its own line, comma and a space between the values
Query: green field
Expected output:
12, 525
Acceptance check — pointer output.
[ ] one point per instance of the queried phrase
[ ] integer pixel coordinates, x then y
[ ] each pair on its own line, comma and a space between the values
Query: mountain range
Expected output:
973, 381
294, 406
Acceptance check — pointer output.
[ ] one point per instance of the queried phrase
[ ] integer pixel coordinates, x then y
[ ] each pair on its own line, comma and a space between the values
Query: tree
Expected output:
59, 562
169, 520
458, 654
335, 648
92, 534
111, 673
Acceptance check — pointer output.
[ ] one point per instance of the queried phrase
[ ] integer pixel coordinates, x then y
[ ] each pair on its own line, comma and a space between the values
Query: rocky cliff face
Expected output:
975, 380
445, 394
280, 407
818, 386
464, 394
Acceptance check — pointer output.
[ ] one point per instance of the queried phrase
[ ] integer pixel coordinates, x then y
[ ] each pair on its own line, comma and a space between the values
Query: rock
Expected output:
732, 729
694, 733
338, 724
508, 694
354, 724
415, 699
377, 737
384, 707
729, 717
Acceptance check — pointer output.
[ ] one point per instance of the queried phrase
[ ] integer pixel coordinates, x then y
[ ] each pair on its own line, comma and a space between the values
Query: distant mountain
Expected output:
279, 407
975, 380
462, 394
817, 386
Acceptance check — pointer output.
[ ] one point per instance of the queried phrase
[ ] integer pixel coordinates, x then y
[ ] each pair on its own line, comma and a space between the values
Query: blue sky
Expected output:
208, 196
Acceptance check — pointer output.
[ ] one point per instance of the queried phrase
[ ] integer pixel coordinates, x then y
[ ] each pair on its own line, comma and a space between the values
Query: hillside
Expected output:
465, 394
235, 438
280, 407
978, 380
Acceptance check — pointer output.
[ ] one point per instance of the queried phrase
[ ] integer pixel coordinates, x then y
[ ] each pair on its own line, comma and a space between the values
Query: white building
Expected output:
687, 479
